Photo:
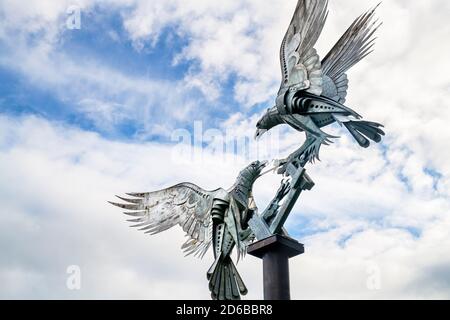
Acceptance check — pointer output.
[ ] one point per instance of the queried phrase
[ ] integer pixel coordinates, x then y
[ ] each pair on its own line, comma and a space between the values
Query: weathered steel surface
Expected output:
271, 221
300, 181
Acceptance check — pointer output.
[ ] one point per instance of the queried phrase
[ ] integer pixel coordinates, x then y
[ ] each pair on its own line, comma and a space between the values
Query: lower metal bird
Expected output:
218, 217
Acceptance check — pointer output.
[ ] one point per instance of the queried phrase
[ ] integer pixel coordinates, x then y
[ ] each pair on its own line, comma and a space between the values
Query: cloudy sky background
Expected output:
86, 114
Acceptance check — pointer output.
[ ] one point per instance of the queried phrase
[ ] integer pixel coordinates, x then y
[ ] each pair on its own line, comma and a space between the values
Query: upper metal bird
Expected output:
313, 92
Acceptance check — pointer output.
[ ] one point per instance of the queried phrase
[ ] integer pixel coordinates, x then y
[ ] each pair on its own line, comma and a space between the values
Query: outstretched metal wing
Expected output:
184, 204
355, 44
300, 63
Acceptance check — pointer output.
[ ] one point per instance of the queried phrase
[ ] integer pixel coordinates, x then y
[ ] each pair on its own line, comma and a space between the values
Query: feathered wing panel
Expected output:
356, 43
300, 63
184, 204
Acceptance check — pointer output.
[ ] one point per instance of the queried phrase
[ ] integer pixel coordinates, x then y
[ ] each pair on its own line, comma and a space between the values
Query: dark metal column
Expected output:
275, 252
276, 276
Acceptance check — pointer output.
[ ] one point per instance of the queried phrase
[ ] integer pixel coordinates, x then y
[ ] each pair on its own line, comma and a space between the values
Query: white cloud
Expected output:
231, 38
78, 172
32, 37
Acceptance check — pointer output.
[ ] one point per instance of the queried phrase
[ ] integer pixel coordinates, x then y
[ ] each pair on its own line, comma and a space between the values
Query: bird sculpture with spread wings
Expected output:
312, 92
218, 218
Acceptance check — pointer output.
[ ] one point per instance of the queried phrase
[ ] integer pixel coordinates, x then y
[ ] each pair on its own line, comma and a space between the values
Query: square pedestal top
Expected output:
279, 243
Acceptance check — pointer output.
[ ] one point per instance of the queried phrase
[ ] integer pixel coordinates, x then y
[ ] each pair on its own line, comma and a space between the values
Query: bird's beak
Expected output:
259, 133
263, 164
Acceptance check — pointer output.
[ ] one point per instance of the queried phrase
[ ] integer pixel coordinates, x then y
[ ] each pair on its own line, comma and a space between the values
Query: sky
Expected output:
103, 97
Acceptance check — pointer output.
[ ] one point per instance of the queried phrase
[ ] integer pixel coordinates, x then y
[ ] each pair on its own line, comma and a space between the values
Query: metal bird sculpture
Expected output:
313, 92
216, 217
311, 96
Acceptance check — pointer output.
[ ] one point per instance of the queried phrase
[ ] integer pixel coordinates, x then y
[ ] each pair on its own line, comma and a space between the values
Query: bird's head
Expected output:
266, 122
242, 188
252, 171
257, 166
260, 130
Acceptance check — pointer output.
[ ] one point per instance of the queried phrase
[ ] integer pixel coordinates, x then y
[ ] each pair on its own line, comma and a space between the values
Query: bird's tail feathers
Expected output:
225, 283
362, 131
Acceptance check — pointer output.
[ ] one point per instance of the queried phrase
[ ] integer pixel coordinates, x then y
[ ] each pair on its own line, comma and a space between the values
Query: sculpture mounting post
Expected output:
275, 251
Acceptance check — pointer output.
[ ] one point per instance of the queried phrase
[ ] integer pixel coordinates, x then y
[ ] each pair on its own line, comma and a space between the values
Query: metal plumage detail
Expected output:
313, 92
354, 45
218, 218
300, 64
